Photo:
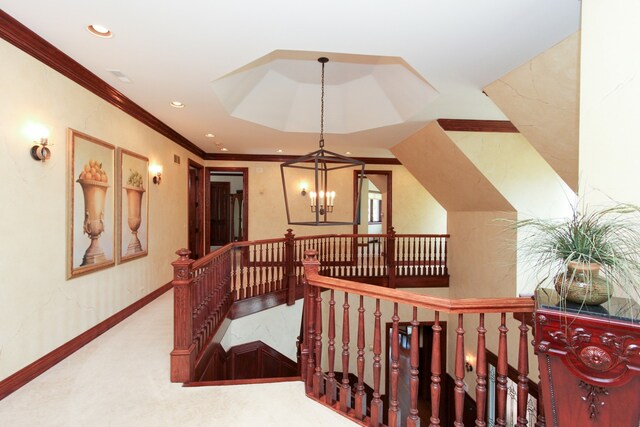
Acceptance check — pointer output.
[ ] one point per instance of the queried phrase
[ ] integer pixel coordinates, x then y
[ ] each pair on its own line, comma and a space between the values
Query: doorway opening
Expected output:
195, 209
227, 206
425, 335
375, 202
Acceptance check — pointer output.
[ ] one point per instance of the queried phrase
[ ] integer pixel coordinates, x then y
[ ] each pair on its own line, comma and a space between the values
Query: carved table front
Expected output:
589, 359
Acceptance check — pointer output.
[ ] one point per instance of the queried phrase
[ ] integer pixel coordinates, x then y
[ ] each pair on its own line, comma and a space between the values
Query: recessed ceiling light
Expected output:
347, 153
224, 149
100, 31
210, 135
278, 151
177, 104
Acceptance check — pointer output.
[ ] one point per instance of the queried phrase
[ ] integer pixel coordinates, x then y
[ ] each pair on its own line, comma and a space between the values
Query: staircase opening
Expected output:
425, 333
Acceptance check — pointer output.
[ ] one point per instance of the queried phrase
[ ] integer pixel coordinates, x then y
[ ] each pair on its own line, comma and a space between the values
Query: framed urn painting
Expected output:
91, 204
132, 206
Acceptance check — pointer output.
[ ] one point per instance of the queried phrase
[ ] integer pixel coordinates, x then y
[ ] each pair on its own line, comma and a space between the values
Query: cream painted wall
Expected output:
414, 209
609, 102
524, 178
541, 98
39, 309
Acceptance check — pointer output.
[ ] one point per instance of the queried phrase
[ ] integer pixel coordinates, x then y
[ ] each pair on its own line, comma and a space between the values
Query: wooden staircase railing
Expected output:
319, 367
206, 289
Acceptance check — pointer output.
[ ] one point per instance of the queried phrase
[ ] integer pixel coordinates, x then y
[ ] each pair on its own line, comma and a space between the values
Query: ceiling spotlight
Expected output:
278, 151
177, 104
209, 135
224, 149
347, 153
100, 31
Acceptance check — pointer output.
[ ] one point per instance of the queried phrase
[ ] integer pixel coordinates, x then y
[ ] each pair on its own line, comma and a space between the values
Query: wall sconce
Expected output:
467, 364
303, 189
156, 172
40, 151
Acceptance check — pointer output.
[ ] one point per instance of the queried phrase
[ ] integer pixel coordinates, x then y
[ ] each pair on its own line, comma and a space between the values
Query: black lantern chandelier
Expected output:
312, 172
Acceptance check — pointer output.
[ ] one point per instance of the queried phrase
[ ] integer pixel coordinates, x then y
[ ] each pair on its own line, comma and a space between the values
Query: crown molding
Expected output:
464, 125
26, 40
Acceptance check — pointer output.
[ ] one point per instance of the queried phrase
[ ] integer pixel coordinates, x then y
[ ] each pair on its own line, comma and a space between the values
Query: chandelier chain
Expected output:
322, 109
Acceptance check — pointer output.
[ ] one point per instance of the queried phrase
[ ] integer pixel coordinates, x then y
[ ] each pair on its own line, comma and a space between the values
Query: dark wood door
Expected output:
220, 222
195, 220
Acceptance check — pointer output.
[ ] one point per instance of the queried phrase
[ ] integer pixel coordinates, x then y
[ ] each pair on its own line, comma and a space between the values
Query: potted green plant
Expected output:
587, 255
588, 354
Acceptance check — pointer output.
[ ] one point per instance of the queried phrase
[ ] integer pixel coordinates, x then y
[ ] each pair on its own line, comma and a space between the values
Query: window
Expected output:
375, 210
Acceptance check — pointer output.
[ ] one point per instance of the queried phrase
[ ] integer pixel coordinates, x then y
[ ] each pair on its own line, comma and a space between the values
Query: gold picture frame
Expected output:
90, 204
132, 235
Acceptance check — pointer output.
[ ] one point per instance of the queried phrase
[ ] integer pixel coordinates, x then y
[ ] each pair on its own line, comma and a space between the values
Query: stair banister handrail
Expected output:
454, 306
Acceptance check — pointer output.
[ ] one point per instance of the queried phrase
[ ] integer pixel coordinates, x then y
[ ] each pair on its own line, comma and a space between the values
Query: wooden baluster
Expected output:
523, 372
445, 269
378, 258
481, 376
413, 420
254, 287
323, 245
345, 388
431, 258
270, 258
243, 287
310, 261
278, 266
540, 419
436, 371
183, 353
420, 256
359, 256
394, 411
367, 256
234, 272
414, 261
361, 398
284, 269
459, 373
330, 392
376, 404
318, 377
354, 256
403, 256
261, 266
438, 256
391, 257
377, 249
334, 258
289, 270
304, 337
502, 372
311, 332
340, 258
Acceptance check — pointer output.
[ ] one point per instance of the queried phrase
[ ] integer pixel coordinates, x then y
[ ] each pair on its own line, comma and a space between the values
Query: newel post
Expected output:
391, 257
290, 267
307, 355
183, 355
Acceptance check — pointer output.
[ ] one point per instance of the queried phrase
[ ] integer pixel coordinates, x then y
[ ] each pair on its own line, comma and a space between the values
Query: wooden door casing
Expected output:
195, 214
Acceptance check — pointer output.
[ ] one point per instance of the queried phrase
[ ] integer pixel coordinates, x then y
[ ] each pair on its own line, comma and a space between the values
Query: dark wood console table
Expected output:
589, 359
